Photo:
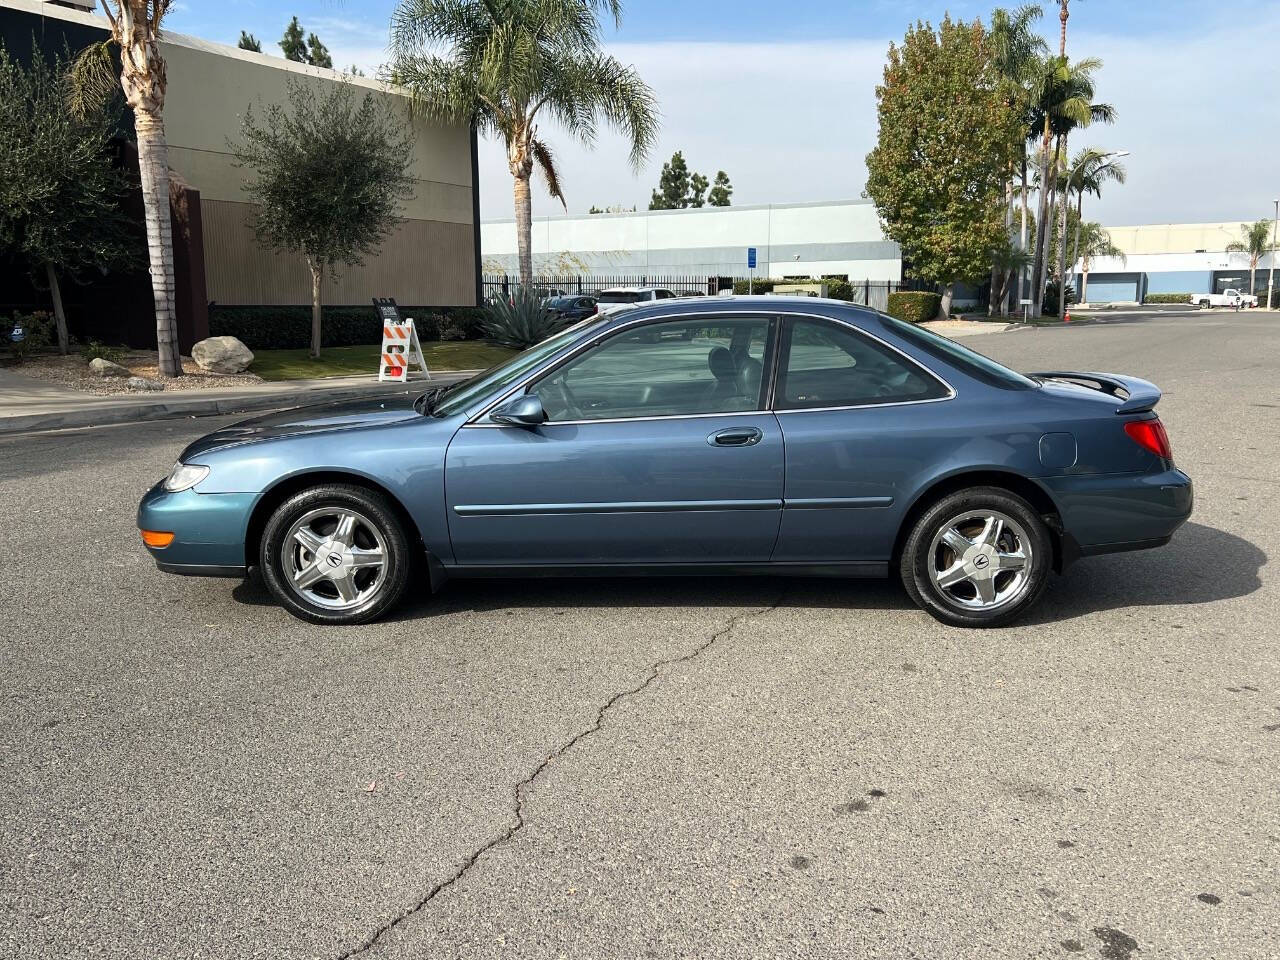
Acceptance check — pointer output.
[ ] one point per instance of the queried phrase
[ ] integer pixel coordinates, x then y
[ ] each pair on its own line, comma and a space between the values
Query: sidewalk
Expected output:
28, 404
969, 328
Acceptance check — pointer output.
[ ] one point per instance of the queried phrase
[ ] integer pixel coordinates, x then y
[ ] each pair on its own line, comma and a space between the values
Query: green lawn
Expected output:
355, 361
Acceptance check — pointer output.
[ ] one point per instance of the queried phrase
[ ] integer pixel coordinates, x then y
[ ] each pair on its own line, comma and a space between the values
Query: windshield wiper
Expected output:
427, 402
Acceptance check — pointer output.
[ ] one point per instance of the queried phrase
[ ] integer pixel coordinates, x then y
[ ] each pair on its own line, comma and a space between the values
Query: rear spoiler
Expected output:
1136, 395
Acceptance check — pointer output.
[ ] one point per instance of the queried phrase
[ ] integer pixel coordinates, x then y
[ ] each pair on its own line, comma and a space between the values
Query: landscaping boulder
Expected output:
105, 368
142, 383
222, 355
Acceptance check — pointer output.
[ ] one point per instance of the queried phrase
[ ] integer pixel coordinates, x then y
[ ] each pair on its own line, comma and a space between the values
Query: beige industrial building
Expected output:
431, 258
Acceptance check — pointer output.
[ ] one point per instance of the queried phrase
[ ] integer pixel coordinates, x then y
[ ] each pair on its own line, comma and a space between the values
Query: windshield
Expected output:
461, 395
965, 360
621, 296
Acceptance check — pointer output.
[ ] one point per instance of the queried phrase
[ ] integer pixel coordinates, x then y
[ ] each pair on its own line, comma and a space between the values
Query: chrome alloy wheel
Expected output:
981, 560
335, 558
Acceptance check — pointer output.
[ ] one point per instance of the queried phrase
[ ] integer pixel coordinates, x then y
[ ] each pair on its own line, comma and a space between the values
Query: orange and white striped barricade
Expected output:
400, 347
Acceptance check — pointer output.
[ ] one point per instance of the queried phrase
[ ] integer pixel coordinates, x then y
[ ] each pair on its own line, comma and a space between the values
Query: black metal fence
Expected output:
500, 285
873, 293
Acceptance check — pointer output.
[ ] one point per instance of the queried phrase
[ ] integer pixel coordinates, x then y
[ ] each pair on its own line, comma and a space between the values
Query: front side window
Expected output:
829, 365
698, 365
463, 394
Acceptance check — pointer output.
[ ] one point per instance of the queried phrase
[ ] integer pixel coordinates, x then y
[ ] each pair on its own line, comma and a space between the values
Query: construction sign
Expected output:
400, 344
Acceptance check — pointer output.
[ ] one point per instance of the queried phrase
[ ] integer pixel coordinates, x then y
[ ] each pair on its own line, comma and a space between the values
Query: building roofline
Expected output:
687, 212
42, 8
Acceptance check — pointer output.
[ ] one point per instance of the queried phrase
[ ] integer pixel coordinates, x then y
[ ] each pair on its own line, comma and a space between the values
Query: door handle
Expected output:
736, 437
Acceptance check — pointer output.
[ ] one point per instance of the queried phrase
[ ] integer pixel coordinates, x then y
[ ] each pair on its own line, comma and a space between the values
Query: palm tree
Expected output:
1091, 169
1255, 240
503, 65
1018, 52
1062, 101
1063, 13
135, 31
1094, 242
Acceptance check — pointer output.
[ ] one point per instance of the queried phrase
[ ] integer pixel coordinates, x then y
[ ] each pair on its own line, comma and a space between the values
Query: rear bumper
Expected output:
1117, 512
208, 528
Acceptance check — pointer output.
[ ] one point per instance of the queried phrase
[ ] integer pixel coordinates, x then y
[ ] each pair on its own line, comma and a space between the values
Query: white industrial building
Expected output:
1173, 258
841, 238
792, 240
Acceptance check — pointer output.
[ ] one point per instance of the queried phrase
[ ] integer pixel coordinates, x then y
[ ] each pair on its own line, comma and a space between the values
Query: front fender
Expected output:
404, 459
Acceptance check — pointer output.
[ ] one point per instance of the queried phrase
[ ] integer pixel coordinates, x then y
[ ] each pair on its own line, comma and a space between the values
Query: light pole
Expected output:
1111, 158
1271, 268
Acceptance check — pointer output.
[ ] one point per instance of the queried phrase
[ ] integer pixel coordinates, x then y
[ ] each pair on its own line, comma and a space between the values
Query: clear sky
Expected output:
781, 95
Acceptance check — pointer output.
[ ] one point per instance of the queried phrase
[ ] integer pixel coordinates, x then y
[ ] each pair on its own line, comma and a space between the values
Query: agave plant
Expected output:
520, 320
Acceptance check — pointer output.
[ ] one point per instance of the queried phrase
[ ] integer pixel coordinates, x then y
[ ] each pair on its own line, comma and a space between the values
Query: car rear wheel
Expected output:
977, 558
335, 554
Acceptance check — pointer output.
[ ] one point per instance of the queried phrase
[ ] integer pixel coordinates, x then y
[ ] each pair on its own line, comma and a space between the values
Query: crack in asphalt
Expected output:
521, 789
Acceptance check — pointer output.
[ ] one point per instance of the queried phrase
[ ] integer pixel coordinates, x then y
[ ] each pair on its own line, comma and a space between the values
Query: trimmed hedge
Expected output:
914, 306
289, 328
1167, 298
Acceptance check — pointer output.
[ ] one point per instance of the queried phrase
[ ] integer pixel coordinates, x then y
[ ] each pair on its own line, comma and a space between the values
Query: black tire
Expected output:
921, 551
376, 519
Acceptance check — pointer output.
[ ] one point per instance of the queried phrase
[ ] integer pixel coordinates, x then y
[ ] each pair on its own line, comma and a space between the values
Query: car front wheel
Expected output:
977, 558
335, 554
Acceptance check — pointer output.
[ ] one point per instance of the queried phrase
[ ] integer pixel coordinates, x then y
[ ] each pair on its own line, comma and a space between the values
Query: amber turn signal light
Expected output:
155, 538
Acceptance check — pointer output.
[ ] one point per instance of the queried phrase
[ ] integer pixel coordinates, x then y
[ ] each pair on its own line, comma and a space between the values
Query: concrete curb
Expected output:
175, 406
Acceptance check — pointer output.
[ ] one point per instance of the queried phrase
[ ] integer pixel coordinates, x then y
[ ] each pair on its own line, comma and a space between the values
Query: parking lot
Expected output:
719, 768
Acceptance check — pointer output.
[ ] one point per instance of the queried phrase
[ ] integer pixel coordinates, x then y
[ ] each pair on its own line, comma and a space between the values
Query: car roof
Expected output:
736, 304
631, 289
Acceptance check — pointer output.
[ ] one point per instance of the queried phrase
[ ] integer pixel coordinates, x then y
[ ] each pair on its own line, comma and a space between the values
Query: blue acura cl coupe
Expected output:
762, 435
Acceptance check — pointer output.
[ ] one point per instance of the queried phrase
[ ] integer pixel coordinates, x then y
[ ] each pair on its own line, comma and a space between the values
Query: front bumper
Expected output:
1110, 513
209, 530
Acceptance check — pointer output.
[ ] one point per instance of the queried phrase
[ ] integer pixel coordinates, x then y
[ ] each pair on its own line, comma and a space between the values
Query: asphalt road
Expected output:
741, 768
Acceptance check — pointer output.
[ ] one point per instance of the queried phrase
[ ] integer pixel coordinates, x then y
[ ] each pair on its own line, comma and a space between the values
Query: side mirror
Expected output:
523, 411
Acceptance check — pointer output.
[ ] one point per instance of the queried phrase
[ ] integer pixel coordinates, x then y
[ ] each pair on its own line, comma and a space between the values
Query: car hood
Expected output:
340, 415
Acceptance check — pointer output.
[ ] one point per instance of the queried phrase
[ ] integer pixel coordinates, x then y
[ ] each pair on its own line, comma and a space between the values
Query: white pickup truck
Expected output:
1228, 298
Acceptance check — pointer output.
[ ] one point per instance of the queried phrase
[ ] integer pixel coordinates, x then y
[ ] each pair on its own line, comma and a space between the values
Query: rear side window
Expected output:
983, 369
620, 296
829, 365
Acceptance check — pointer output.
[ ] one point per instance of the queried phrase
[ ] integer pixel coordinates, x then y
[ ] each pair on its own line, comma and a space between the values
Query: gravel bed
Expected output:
73, 371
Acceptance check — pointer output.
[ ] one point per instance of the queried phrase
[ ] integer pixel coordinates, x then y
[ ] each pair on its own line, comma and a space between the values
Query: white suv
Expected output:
619, 298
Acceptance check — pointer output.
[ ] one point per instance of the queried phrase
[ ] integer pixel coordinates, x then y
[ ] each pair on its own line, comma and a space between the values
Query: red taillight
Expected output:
1150, 435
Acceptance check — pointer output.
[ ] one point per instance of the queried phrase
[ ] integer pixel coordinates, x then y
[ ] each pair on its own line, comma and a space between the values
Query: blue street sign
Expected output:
751, 257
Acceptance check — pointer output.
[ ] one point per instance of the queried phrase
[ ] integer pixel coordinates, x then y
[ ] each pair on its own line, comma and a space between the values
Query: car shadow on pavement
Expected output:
1200, 565
642, 592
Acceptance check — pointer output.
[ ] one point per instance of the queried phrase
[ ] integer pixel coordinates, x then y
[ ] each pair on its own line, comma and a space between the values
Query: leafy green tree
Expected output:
507, 66
318, 53
946, 143
327, 175
60, 192
721, 191
697, 189
673, 185
249, 42
1255, 240
679, 189
294, 43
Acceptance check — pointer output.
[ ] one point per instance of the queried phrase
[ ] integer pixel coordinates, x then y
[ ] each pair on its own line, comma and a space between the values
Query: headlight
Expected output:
185, 476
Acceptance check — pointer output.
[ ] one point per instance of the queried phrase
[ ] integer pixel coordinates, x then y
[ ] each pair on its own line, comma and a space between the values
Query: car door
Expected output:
859, 420
658, 448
